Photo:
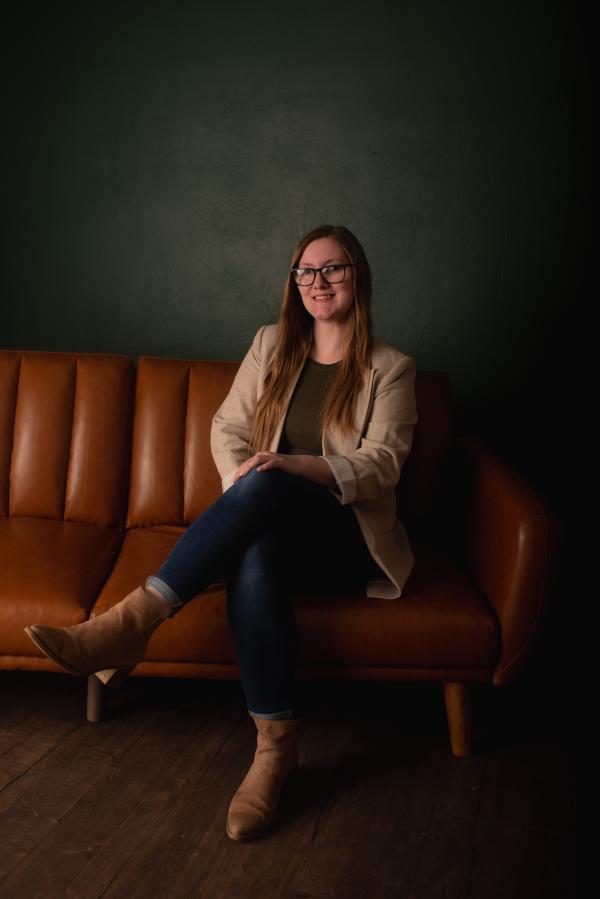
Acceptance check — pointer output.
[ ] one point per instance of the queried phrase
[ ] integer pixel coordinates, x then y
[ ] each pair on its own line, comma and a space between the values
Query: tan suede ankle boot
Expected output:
253, 809
110, 644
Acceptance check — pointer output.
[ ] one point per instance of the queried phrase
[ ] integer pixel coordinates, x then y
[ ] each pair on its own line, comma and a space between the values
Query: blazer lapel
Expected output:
335, 441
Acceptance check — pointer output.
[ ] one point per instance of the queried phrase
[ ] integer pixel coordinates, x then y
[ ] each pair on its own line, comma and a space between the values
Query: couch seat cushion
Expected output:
441, 620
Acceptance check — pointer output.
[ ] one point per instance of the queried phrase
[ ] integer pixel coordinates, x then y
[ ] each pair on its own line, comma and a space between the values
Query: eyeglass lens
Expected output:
331, 273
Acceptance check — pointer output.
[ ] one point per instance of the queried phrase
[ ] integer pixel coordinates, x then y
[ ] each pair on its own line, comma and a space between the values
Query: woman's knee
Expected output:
269, 484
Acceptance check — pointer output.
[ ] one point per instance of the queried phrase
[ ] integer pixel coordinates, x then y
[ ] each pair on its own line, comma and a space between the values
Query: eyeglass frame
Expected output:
321, 270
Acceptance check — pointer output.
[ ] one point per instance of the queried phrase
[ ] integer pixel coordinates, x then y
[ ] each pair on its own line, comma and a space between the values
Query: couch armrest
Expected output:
510, 541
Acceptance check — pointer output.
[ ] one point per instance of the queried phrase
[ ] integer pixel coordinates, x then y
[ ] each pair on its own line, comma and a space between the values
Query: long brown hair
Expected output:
294, 338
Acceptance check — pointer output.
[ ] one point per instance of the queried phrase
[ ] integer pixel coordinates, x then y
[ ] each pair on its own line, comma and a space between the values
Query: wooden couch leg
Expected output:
95, 700
458, 712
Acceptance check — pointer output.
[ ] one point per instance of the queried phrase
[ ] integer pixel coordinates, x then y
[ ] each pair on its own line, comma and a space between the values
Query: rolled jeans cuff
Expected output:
274, 716
168, 593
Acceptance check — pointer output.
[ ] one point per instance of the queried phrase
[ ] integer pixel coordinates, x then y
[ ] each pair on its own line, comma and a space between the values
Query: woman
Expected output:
310, 444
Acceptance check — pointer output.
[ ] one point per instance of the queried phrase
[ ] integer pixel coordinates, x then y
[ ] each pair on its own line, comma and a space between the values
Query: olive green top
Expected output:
302, 430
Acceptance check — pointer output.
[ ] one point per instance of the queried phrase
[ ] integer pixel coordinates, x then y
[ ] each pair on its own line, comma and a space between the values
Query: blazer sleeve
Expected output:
232, 422
377, 463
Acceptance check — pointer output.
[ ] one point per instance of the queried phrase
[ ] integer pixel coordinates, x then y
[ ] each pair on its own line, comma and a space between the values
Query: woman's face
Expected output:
326, 302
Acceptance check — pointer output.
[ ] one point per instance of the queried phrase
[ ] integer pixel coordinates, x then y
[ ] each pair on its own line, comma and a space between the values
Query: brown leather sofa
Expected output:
105, 463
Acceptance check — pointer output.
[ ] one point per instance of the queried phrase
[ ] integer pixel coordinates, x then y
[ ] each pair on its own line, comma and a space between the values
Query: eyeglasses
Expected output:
331, 273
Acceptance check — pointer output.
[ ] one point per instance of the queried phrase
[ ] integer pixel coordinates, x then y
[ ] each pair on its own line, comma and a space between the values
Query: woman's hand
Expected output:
265, 460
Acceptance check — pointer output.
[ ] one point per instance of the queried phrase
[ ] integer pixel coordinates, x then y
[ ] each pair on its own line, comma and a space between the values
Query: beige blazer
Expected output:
366, 463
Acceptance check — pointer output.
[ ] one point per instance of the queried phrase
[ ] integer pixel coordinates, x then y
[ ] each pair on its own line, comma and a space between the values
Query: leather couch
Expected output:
105, 461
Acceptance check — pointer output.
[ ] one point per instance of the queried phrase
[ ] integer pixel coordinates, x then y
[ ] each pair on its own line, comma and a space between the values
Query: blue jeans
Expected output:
269, 532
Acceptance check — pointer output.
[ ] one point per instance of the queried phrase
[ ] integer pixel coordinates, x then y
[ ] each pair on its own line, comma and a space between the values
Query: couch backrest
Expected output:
65, 434
173, 475
425, 467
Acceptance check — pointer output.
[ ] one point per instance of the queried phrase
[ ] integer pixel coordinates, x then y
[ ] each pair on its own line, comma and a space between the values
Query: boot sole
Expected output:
52, 655
108, 677
253, 836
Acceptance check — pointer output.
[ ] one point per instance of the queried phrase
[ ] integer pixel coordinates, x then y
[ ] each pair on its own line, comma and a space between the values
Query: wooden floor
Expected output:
135, 806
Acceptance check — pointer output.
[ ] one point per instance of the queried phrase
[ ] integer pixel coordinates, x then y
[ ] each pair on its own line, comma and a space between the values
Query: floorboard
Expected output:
135, 806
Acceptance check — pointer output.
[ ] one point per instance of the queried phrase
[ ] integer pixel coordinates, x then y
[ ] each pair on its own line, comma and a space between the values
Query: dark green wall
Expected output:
161, 160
